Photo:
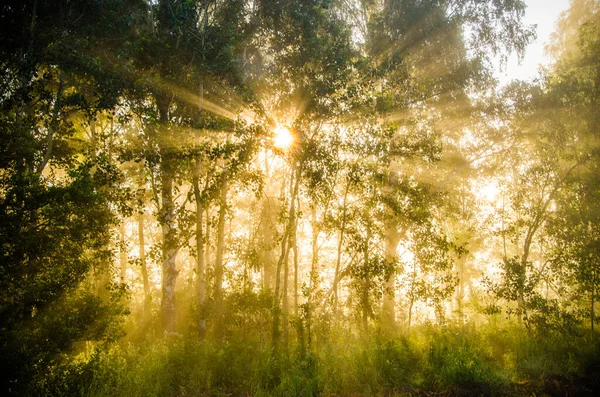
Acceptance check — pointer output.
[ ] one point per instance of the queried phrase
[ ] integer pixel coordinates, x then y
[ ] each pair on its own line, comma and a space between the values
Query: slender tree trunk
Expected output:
219, 256
338, 260
389, 300
523, 278
201, 283
207, 245
296, 297
460, 293
295, 257
285, 249
503, 229
53, 126
169, 264
266, 228
410, 311
142, 252
169, 249
285, 309
168, 225
412, 294
314, 268
314, 274
286, 297
122, 252
366, 282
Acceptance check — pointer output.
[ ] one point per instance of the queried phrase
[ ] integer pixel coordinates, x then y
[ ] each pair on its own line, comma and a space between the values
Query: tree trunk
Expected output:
201, 284
523, 278
460, 291
392, 238
296, 297
142, 252
410, 310
168, 225
169, 248
285, 297
285, 249
366, 309
412, 295
122, 252
207, 245
314, 269
218, 292
266, 232
338, 260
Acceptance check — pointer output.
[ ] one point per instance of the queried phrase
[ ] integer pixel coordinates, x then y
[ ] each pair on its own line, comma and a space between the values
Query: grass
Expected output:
450, 361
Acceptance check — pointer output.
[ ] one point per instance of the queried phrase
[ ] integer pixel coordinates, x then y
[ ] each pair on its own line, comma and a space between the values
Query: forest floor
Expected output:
430, 362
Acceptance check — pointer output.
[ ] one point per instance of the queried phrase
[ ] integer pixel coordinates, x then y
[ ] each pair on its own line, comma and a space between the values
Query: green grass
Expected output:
434, 361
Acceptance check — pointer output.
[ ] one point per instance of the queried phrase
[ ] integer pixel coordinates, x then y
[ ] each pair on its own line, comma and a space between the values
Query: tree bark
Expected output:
412, 294
296, 297
142, 252
338, 261
168, 225
207, 245
219, 256
366, 308
392, 238
314, 269
201, 283
122, 252
285, 249
460, 291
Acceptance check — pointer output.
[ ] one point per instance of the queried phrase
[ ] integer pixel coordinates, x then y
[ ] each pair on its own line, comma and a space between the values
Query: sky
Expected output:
544, 14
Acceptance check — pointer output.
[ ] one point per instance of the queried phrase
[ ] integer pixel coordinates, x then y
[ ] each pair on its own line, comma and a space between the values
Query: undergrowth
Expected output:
451, 361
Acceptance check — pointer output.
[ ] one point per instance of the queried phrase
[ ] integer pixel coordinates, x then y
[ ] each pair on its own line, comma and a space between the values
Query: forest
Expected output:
297, 198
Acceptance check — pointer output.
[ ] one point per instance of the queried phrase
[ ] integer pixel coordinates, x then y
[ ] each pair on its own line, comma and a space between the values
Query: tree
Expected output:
57, 192
557, 125
198, 35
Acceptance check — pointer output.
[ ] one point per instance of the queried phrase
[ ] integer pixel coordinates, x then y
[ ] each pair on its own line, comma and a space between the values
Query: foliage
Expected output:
488, 362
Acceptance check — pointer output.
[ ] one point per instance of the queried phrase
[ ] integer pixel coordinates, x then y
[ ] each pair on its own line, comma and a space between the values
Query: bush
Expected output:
457, 361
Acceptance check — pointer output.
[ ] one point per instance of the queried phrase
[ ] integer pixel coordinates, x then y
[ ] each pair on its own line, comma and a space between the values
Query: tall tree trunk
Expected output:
460, 291
168, 223
392, 238
142, 252
169, 248
219, 256
201, 284
338, 261
294, 248
523, 278
207, 245
122, 252
366, 308
285, 298
314, 267
412, 294
266, 227
296, 297
314, 274
285, 249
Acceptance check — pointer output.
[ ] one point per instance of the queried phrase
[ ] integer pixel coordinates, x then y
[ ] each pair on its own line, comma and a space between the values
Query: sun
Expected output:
283, 138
